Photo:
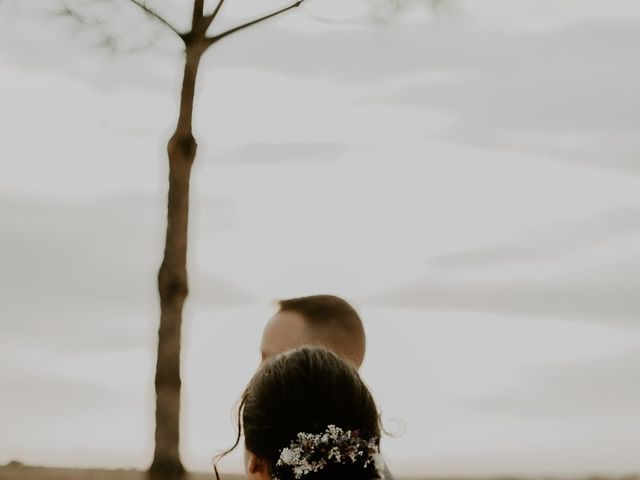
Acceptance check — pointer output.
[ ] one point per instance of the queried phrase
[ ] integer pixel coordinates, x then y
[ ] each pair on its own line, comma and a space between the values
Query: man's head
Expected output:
316, 320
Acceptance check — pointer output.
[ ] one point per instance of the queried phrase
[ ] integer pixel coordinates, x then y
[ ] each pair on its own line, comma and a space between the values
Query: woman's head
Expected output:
309, 391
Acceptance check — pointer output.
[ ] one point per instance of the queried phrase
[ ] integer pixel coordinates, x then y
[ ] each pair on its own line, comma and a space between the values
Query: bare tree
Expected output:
172, 276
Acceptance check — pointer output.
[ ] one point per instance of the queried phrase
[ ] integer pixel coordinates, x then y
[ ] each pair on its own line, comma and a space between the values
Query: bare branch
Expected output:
220, 36
155, 15
198, 12
208, 19
105, 40
65, 11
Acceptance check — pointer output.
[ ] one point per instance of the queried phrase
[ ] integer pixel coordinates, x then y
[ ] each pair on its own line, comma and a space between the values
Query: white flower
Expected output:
337, 444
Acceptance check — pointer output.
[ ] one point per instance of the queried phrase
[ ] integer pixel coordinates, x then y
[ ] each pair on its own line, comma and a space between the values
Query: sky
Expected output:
468, 176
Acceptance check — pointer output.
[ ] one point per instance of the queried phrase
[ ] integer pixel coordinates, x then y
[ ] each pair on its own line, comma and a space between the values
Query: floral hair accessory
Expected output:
312, 452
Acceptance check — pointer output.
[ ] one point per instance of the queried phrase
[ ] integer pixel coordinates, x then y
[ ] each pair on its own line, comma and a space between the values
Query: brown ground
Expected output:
18, 472
44, 473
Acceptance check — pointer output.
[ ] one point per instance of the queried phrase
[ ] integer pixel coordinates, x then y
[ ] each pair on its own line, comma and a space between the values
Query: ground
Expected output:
19, 472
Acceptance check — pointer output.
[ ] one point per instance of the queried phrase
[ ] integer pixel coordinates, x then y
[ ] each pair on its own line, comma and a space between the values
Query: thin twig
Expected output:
210, 18
215, 38
65, 11
156, 16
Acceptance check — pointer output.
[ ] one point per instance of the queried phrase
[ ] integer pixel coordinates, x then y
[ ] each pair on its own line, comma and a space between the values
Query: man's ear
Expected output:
255, 467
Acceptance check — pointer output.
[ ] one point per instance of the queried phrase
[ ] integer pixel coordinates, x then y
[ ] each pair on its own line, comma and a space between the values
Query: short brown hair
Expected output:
322, 311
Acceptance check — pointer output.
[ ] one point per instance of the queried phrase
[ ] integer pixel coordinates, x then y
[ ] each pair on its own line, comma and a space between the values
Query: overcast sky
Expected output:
469, 178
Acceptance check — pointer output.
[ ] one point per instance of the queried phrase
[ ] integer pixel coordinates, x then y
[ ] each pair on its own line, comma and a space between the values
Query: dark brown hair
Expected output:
326, 311
306, 390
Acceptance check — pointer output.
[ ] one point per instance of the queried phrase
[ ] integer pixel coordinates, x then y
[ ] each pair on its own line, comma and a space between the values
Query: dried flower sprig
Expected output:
311, 452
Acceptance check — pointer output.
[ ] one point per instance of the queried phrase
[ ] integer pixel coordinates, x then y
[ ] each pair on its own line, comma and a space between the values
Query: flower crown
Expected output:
312, 452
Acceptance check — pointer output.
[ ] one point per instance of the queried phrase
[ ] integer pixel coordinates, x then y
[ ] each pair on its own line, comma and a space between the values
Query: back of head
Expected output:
332, 322
307, 391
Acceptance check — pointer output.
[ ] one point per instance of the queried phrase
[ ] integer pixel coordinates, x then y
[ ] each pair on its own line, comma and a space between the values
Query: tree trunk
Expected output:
172, 283
172, 276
